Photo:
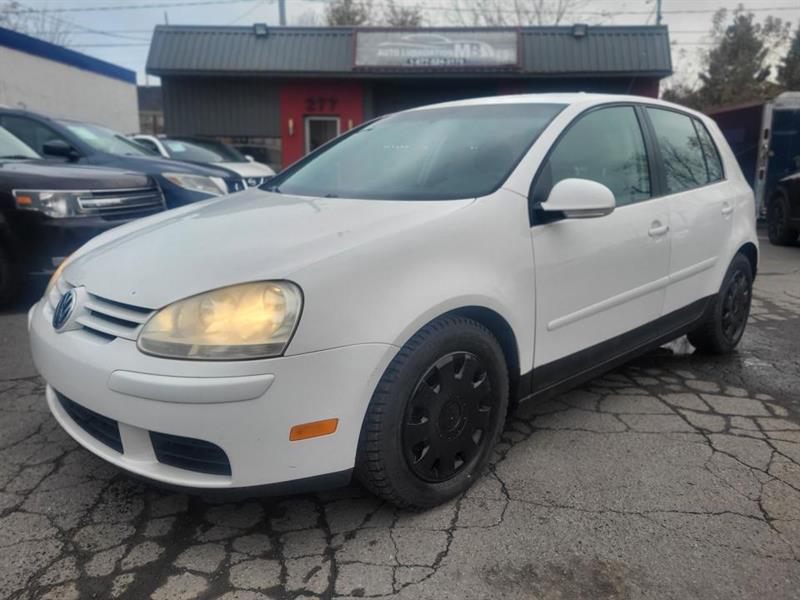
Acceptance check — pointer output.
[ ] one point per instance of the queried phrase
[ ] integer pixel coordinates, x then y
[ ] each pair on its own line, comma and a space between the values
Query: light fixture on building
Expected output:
261, 29
580, 30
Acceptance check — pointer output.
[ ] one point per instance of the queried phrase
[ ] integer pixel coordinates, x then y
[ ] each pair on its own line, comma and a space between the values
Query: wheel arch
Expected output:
750, 252
504, 333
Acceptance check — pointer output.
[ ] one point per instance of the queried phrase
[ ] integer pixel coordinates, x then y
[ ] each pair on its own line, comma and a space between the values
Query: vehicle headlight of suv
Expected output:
198, 183
246, 321
55, 204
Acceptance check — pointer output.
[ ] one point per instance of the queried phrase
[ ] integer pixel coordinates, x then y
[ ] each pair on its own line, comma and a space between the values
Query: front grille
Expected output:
190, 454
99, 427
114, 205
105, 318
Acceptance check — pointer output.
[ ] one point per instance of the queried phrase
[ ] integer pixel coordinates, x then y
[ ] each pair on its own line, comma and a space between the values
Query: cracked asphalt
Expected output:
677, 476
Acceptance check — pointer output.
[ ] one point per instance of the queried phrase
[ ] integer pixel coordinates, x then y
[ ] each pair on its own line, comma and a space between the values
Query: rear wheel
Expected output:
726, 319
435, 415
9, 279
780, 231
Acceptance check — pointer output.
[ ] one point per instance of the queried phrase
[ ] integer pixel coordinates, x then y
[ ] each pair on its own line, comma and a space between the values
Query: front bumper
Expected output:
245, 408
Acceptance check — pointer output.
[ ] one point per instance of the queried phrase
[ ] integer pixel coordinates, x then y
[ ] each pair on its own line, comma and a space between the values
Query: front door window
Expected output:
320, 130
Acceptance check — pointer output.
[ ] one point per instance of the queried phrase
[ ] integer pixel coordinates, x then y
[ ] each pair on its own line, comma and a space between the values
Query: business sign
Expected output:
414, 49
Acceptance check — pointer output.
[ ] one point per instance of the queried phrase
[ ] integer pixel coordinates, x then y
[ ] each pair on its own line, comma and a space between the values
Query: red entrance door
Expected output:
313, 112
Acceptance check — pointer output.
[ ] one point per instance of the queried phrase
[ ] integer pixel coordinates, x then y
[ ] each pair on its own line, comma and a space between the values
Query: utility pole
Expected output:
658, 12
282, 12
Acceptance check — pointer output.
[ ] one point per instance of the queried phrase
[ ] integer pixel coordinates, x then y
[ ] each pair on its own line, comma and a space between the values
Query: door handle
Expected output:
657, 229
727, 208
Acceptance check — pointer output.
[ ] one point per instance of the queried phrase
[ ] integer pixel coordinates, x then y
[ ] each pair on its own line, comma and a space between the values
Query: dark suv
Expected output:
86, 143
49, 210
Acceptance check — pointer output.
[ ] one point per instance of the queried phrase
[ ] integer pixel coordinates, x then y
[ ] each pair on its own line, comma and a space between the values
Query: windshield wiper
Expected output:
16, 156
275, 189
331, 195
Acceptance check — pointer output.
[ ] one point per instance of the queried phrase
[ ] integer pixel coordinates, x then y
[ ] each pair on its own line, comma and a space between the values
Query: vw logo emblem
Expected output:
64, 309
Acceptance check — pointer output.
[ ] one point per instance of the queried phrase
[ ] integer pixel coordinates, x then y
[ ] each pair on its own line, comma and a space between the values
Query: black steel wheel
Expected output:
436, 414
725, 321
735, 306
447, 417
778, 228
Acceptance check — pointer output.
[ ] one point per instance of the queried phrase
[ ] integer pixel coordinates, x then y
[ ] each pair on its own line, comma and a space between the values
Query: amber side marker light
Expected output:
313, 429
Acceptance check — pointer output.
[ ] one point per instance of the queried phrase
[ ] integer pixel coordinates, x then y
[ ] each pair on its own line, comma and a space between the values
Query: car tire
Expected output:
726, 318
778, 228
9, 279
435, 415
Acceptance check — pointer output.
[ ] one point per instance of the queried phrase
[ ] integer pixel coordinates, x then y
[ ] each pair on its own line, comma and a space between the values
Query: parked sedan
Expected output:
375, 308
47, 211
89, 144
209, 152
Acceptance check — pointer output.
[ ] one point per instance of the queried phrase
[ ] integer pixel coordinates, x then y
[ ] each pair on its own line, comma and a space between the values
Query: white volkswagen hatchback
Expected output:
377, 307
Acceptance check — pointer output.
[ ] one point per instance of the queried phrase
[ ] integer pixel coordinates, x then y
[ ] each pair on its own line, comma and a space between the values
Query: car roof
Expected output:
575, 98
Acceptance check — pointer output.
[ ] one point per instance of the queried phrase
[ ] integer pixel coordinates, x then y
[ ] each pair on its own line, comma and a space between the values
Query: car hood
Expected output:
155, 165
44, 175
248, 169
250, 236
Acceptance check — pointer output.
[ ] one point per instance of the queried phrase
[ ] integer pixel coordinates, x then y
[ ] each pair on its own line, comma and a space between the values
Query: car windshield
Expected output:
106, 140
13, 147
429, 154
206, 151
225, 152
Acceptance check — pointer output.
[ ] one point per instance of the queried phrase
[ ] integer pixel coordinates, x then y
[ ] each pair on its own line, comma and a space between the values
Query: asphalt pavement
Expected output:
676, 476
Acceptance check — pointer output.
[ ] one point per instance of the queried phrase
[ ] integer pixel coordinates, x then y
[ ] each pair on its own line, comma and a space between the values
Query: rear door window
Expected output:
681, 150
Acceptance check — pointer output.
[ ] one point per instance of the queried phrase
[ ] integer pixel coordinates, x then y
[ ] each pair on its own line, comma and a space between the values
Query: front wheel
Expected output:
436, 415
726, 319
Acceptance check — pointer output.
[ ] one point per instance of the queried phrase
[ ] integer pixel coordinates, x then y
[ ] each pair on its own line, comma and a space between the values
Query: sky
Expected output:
118, 31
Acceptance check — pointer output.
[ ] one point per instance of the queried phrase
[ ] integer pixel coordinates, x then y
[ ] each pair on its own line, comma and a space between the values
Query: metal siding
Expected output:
299, 50
221, 106
602, 50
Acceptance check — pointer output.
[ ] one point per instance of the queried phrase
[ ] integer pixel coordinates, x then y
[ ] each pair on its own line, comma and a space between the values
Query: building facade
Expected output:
277, 93
47, 78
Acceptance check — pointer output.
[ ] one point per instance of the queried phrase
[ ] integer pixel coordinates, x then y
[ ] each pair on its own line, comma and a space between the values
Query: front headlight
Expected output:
56, 276
198, 183
52, 204
250, 320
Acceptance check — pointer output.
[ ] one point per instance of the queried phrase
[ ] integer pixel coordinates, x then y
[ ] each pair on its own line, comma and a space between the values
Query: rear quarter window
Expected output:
710, 152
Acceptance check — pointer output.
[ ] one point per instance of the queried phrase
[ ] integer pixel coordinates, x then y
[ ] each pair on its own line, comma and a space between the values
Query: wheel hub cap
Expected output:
447, 417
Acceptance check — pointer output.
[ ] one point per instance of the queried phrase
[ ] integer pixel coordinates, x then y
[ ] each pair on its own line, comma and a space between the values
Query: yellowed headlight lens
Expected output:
56, 276
251, 320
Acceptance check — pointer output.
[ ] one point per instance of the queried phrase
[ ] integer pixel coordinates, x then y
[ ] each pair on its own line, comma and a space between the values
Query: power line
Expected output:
454, 8
115, 7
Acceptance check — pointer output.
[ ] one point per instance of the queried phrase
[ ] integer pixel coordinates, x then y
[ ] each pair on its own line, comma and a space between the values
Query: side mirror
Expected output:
580, 199
249, 158
60, 148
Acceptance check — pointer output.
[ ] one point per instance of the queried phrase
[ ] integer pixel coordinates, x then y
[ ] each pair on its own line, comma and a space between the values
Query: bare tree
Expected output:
309, 18
38, 23
402, 16
519, 12
351, 13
